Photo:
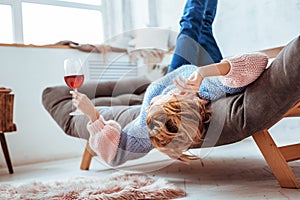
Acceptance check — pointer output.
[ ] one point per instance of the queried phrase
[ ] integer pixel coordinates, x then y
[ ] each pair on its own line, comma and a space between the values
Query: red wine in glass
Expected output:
74, 81
74, 76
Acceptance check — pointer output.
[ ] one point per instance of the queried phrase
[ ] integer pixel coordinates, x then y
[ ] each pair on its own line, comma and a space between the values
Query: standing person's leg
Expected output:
207, 39
188, 50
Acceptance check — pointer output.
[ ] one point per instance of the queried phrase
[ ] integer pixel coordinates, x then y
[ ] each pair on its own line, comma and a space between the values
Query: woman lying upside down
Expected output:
173, 116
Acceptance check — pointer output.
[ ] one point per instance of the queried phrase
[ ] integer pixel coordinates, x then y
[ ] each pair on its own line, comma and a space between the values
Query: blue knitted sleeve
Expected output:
212, 89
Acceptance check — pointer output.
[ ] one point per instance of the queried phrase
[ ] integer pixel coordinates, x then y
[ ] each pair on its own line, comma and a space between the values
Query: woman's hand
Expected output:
190, 85
83, 103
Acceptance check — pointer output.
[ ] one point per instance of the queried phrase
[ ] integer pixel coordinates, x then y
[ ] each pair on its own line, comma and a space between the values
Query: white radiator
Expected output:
99, 70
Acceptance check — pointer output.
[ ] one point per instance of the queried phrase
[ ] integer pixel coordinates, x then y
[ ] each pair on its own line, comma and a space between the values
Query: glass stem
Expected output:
75, 90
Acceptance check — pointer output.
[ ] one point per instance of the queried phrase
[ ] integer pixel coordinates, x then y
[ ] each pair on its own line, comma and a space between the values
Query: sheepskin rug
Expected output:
116, 186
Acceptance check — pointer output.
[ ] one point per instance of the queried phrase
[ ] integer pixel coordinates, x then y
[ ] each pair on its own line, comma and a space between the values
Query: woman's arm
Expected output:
216, 69
83, 103
244, 69
104, 135
234, 72
114, 145
192, 84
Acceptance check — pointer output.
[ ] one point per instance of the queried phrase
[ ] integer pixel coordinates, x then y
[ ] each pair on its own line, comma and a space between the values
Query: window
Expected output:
140, 15
79, 25
6, 33
50, 21
82, 21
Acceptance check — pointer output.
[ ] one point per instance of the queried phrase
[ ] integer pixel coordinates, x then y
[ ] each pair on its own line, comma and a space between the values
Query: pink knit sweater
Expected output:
104, 138
105, 135
244, 69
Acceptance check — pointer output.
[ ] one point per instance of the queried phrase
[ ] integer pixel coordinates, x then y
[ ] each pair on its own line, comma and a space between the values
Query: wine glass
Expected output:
74, 76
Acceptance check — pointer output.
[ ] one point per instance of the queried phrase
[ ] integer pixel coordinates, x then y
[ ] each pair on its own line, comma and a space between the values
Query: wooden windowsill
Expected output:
36, 46
272, 52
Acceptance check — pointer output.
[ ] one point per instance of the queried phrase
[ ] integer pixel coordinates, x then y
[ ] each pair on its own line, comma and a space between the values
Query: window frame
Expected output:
106, 7
17, 19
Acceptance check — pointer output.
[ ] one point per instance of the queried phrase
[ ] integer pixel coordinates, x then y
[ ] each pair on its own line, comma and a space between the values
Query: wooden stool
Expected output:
6, 122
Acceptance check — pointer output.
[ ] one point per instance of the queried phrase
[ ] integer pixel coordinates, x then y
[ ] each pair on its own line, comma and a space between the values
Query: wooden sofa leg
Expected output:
275, 160
87, 157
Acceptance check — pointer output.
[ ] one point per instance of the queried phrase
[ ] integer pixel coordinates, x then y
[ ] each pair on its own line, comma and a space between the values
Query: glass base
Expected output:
76, 112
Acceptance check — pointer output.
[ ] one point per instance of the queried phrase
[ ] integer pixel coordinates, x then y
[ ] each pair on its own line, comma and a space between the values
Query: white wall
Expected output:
27, 71
243, 25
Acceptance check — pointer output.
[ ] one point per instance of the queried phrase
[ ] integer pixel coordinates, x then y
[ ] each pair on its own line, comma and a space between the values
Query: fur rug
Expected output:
117, 186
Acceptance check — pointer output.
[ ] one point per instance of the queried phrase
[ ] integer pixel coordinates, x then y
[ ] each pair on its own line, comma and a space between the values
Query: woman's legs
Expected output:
207, 39
192, 20
196, 29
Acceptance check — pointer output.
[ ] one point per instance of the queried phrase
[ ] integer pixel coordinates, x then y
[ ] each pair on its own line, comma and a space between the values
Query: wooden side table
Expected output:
6, 121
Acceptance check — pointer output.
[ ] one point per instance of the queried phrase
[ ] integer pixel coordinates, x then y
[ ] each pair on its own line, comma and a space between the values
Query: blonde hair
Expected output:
177, 125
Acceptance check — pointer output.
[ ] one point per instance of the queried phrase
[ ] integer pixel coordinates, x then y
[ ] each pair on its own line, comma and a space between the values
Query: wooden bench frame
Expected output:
276, 157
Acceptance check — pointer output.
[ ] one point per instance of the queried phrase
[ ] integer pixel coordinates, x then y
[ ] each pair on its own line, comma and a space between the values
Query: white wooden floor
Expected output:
236, 171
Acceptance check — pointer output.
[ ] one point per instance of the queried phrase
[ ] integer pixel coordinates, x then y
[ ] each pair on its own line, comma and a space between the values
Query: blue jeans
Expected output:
195, 43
